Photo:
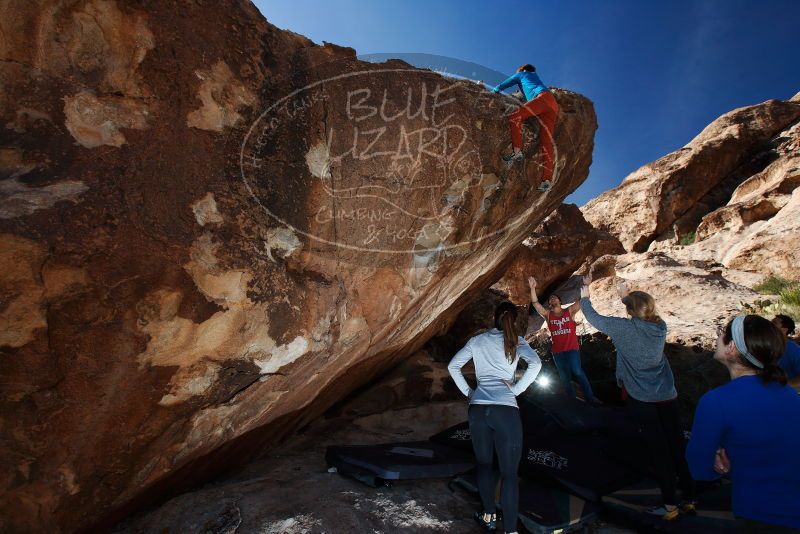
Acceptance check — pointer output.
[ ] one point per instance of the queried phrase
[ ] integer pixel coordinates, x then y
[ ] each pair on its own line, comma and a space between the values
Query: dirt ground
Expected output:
290, 491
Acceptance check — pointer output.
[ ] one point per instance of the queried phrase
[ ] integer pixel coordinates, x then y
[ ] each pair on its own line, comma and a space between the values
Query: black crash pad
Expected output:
580, 463
586, 464
713, 509
373, 464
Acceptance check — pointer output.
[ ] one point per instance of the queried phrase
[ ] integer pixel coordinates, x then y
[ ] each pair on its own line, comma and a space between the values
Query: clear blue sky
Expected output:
657, 72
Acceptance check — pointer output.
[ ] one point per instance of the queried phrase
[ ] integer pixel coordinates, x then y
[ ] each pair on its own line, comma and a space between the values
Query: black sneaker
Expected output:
490, 525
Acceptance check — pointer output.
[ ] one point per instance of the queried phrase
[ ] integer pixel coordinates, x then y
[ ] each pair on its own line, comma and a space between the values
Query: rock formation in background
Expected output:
211, 230
702, 226
706, 252
738, 150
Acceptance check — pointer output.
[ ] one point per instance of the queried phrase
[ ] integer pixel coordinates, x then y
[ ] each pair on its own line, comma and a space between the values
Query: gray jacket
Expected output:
641, 364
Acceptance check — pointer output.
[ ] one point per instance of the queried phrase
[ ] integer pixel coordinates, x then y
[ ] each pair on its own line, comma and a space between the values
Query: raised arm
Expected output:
541, 310
454, 368
512, 80
706, 439
534, 366
574, 308
608, 325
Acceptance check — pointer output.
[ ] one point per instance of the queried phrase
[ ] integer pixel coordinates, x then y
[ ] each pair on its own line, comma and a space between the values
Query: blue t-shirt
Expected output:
759, 426
529, 82
790, 361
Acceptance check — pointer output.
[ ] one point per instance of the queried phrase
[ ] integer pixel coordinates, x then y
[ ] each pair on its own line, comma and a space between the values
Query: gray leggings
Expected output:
495, 427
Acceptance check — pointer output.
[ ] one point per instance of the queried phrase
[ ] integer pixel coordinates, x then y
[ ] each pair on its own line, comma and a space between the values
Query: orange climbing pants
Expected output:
545, 108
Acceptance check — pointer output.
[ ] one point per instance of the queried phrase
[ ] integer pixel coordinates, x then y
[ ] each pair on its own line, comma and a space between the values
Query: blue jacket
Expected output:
758, 425
790, 361
528, 82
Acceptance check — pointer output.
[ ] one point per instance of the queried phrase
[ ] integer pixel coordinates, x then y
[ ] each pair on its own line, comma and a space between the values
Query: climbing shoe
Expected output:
487, 521
688, 507
515, 155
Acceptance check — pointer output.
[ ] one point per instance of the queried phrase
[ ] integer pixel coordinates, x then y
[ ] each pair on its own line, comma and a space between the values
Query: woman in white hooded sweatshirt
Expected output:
494, 420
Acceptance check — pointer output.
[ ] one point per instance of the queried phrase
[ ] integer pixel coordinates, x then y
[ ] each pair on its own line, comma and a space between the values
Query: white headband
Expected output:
737, 329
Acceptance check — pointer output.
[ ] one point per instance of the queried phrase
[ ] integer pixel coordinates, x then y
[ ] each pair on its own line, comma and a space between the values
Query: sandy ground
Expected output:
291, 491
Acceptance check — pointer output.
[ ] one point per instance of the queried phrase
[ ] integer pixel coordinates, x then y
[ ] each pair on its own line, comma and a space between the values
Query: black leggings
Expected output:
497, 427
660, 427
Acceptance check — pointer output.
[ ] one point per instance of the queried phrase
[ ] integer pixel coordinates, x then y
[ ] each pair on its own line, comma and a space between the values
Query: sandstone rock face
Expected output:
688, 183
759, 228
734, 186
201, 253
746, 223
557, 248
756, 228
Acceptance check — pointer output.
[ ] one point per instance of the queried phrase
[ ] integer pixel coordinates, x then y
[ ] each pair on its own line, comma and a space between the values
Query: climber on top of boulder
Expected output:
540, 103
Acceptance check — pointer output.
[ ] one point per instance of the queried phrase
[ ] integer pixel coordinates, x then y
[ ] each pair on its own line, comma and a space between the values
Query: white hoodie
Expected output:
492, 369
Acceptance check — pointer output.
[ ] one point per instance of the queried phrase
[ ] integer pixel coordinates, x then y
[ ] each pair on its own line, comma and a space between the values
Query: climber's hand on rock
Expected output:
587, 280
532, 282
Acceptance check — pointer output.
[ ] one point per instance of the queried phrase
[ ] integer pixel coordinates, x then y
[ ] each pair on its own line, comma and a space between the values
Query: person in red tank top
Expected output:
563, 333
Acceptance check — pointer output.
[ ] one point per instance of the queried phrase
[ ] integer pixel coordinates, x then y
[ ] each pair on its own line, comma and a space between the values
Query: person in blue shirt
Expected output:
790, 361
749, 428
540, 103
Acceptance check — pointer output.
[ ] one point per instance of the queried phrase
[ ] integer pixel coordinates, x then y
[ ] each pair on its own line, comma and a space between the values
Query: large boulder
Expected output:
694, 180
211, 230
558, 247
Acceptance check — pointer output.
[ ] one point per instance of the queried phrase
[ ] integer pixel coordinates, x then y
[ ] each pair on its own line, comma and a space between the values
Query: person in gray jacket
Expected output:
644, 374
494, 420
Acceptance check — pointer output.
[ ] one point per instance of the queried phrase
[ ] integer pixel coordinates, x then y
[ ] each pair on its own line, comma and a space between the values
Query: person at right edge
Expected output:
749, 429
790, 361
644, 374
540, 103
494, 420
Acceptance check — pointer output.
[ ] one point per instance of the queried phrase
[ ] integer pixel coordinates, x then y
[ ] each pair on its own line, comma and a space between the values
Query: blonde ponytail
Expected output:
642, 306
